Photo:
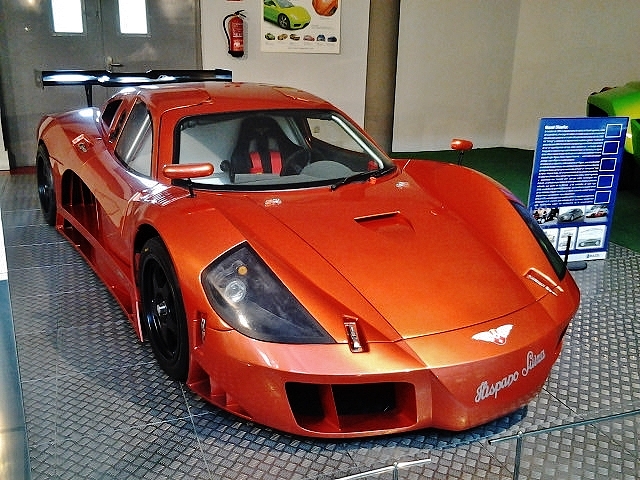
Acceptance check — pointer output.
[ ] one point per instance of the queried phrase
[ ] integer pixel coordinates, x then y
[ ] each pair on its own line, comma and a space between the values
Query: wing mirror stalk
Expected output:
461, 146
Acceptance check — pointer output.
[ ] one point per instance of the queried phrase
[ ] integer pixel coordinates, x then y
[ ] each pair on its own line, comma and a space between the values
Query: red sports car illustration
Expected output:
325, 7
289, 272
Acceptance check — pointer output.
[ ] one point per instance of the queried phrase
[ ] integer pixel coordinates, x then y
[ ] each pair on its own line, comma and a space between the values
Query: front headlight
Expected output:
250, 298
554, 258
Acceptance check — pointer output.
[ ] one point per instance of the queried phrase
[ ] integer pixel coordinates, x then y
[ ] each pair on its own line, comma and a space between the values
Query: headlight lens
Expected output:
556, 262
248, 296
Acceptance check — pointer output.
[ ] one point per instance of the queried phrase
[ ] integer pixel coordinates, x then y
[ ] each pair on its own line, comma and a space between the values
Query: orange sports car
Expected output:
291, 273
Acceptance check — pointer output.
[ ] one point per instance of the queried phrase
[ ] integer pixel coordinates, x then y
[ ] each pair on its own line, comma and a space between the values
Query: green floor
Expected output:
512, 168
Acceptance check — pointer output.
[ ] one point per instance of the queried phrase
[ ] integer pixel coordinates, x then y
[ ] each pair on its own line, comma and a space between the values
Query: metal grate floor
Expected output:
97, 407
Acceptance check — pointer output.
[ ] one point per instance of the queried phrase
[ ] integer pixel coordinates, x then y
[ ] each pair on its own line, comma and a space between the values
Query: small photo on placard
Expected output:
602, 197
610, 148
608, 165
605, 181
613, 130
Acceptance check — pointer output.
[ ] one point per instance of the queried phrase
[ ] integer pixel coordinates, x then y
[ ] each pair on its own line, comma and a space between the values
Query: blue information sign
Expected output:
574, 181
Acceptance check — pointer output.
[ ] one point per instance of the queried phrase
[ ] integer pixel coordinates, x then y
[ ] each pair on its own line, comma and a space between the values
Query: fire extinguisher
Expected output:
234, 30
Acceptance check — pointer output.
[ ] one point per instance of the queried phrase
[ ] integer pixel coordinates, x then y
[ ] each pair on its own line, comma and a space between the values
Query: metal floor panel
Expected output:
98, 407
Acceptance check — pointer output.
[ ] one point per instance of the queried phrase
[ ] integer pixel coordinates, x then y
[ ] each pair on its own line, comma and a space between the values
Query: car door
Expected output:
121, 171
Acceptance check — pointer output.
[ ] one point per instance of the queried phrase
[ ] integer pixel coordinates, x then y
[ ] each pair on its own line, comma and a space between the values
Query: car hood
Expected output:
421, 266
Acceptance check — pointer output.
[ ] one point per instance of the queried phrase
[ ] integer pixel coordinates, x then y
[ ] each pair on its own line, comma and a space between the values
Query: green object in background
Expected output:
621, 101
512, 168
286, 14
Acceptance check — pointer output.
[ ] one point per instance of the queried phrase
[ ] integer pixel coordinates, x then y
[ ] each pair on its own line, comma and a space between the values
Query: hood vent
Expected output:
389, 223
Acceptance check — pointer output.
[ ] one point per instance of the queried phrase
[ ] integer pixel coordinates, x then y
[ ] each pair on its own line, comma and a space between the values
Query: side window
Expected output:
109, 113
116, 126
134, 145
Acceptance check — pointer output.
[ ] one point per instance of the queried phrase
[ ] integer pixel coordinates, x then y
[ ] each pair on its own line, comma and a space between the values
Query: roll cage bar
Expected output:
105, 78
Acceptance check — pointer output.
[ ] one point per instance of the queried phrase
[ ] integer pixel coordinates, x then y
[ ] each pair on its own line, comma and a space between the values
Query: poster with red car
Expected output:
301, 26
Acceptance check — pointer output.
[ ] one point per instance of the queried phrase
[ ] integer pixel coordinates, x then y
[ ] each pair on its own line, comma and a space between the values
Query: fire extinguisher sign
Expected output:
301, 26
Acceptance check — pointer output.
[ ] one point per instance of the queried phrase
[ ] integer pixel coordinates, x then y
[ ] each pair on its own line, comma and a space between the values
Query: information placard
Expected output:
574, 181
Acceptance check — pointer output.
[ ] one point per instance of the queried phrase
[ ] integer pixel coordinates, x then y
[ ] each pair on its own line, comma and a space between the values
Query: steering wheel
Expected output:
225, 166
295, 162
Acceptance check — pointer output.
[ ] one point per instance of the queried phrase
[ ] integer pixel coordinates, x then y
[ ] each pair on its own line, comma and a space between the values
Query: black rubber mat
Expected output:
98, 407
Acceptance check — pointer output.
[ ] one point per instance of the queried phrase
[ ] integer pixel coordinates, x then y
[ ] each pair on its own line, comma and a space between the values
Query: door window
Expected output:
133, 17
67, 16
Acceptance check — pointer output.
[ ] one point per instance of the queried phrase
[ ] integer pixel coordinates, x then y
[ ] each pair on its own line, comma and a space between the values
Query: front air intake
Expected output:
352, 408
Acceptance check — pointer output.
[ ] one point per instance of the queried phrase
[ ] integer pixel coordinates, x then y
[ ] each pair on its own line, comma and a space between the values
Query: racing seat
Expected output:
261, 148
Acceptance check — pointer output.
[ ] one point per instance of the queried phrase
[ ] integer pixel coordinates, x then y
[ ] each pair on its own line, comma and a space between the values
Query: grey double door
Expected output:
28, 44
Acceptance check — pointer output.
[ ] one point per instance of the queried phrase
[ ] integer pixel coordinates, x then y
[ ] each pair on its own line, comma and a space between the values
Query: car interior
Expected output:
273, 148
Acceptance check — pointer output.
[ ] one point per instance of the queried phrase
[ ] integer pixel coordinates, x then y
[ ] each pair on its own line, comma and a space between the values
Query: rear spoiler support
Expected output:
104, 78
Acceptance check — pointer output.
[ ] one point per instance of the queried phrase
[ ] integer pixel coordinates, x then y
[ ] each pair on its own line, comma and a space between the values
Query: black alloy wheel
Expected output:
163, 316
46, 189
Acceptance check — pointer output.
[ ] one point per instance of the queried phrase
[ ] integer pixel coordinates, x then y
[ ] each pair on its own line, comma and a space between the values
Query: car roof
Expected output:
226, 96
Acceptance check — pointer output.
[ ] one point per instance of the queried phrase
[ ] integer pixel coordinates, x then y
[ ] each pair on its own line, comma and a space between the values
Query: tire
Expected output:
46, 188
162, 311
283, 21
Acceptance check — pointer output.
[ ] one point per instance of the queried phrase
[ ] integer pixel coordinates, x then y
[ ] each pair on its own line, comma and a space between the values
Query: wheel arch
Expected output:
144, 233
160, 259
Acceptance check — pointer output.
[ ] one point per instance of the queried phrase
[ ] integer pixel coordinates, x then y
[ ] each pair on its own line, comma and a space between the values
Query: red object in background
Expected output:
234, 30
461, 145
326, 8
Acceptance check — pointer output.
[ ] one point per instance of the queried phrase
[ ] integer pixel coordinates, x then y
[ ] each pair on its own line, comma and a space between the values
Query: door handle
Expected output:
110, 64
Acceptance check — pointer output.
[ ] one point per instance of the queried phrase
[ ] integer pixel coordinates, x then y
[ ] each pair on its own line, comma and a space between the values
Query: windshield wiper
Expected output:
362, 176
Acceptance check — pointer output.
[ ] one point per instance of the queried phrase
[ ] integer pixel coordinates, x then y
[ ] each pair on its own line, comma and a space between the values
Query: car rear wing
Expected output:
104, 78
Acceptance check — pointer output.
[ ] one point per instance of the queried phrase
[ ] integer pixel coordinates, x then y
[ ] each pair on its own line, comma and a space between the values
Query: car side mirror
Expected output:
188, 170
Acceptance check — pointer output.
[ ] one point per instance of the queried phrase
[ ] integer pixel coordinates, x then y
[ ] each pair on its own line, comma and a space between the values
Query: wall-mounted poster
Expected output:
574, 182
301, 26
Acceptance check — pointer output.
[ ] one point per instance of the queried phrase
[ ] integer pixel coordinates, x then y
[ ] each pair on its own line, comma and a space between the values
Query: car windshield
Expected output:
282, 149
284, 3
